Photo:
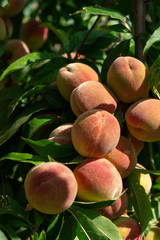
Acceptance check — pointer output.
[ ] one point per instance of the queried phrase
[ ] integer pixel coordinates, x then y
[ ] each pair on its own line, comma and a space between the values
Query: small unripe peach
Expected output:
50, 187
92, 95
13, 8
97, 180
62, 134
95, 133
144, 179
143, 119
128, 228
14, 50
123, 157
128, 79
3, 31
73, 75
33, 34
153, 234
116, 209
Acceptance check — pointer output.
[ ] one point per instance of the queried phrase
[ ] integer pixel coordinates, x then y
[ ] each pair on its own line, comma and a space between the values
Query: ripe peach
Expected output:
92, 95
123, 156
62, 134
13, 8
143, 119
95, 133
153, 234
138, 145
128, 79
144, 179
14, 50
72, 55
73, 75
128, 228
116, 209
97, 180
50, 187
3, 31
33, 34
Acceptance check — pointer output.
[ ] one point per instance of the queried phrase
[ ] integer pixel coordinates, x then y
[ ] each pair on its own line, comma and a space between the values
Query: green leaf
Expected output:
11, 232
154, 76
13, 125
47, 147
27, 60
103, 12
54, 226
2, 236
155, 37
25, 157
60, 34
145, 171
139, 200
42, 235
94, 225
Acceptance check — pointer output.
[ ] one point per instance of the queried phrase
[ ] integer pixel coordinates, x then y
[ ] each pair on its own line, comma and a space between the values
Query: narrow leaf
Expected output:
155, 37
154, 76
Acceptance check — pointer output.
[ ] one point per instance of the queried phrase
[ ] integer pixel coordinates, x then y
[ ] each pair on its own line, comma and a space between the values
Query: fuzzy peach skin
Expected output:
14, 50
143, 119
116, 209
123, 156
128, 228
50, 187
62, 134
153, 234
12, 8
97, 180
72, 75
92, 95
144, 180
33, 34
95, 133
128, 79
138, 145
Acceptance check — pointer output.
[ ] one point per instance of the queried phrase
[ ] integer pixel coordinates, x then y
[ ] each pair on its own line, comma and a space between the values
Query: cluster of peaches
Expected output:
31, 35
109, 156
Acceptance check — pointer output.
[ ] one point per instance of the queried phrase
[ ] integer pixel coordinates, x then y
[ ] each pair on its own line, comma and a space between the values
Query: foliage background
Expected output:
30, 108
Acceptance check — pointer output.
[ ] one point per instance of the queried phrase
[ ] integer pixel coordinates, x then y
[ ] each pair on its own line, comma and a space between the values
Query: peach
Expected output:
33, 34
92, 95
138, 145
62, 134
97, 180
9, 27
12, 8
144, 179
123, 157
3, 31
73, 75
128, 79
128, 228
95, 133
116, 209
153, 234
50, 187
73, 54
143, 119
14, 50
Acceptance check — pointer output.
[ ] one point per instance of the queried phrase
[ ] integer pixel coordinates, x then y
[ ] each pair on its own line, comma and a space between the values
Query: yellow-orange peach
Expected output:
95, 133
128, 228
72, 75
143, 119
116, 209
123, 157
92, 95
97, 180
153, 234
144, 179
128, 79
138, 145
50, 187
62, 134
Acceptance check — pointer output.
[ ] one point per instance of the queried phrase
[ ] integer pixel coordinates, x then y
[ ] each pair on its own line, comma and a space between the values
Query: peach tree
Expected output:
50, 119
